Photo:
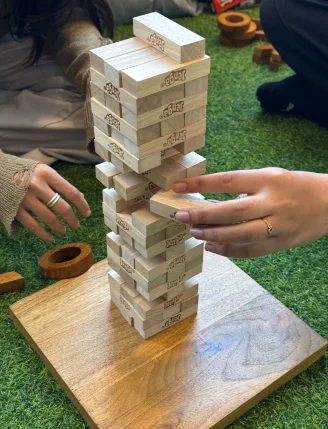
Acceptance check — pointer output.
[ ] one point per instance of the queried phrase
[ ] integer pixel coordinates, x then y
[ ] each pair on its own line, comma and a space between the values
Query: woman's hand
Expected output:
295, 203
44, 184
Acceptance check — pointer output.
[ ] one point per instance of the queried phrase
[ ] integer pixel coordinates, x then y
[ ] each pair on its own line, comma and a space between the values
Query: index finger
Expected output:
231, 182
63, 187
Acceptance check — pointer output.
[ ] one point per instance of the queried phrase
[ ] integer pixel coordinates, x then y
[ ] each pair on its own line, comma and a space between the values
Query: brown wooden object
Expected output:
203, 372
249, 34
65, 262
10, 282
233, 22
227, 41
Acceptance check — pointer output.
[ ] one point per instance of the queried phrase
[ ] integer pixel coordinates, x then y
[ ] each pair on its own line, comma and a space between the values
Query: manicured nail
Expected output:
210, 247
180, 187
197, 233
183, 217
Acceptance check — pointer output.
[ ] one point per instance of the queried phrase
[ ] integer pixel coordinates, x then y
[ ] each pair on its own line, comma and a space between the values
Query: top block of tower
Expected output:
172, 39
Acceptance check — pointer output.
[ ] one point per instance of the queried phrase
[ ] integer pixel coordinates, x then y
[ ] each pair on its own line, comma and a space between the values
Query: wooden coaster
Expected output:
66, 261
249, 34
207, 370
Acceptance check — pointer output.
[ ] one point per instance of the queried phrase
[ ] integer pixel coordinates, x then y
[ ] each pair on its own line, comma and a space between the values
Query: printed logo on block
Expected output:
174, 241
172, 108
172, 320
126, 267
112, 121
116, 149
122, 223
176, 282
112, 90
125, 304
156, 41
177, 261
176, 137
173, 301
175, 76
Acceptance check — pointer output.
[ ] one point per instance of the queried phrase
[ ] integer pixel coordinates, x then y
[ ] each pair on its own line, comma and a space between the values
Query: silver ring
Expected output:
54, 200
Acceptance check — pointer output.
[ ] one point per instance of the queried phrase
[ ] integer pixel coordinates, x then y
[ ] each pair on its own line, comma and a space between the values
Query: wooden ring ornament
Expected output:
233, 22
249, 34
67, 261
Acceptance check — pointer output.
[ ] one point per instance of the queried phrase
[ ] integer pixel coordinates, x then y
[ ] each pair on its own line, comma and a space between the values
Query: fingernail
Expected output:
63, 232
210, 247
88, 213
197, 232
183, 217
180, 187
49, 238
77, 225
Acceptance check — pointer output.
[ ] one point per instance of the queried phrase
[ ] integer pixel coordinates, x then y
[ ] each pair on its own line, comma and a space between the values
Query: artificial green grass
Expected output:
239, 136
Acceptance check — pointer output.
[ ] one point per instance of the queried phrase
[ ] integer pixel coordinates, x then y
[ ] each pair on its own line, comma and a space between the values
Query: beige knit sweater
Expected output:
69, 44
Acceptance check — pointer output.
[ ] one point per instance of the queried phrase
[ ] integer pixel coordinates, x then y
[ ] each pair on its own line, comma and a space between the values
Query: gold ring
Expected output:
270, 229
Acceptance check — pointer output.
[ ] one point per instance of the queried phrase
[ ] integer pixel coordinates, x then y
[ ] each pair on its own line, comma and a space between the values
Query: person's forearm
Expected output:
15, 176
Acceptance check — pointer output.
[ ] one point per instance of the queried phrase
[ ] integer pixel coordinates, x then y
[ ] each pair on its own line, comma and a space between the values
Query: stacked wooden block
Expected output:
149, 97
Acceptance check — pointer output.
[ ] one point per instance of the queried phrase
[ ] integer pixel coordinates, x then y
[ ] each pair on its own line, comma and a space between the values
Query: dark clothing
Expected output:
299, 31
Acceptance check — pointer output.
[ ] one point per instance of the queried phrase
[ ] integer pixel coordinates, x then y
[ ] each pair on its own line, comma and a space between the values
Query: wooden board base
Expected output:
207, 370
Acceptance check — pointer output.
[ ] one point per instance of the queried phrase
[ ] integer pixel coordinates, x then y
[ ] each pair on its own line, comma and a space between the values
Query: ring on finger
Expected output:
270, 228
54, 200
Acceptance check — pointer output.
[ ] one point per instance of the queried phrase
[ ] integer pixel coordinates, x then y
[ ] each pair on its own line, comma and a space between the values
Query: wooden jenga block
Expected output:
115, 242
195, 115
166, 174
142, 135
189, 303
102, 126
169, 290
113, 105
275, 61
115, 280
176, 272
119, 164
173, 94
191, 145
167, 204
149, 223
165, 112
174, 229
161, 246
113, 260
102, 152
126, 237
163, 74
124, 221
97, 93
116, 149
99, 55
115, 201
11, 281
167, 323
194, 163
168, 126
129, 255
105, 172
175, 251
114, 66
196, 86
111, 224
129, 293
132, 185
168, 141
151, 321
262, 54
152, 268
169, 37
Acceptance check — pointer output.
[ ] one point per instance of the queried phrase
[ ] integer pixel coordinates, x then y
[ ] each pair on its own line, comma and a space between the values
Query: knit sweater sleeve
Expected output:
70, 45
15, 177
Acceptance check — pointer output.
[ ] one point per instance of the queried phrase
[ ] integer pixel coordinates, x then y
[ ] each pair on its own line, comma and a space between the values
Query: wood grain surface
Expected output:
207, 370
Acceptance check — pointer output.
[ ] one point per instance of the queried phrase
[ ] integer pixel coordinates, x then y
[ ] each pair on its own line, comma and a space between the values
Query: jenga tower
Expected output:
149, 108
